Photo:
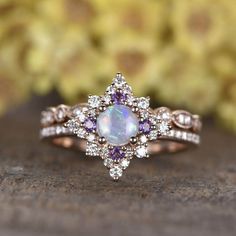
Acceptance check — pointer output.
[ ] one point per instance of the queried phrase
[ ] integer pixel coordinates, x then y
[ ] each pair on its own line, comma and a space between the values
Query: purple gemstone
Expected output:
116, 153
90, 124
145, 126
118, 97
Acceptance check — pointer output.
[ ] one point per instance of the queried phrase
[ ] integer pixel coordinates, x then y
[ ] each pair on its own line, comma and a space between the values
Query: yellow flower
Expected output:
139, 17
227, 115
187, 83
223, 64
75, 64
201, 26
68, 13
135, 57
14, 18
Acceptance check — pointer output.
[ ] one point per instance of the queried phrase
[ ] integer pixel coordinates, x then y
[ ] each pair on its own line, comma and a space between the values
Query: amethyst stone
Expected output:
145, 126
116, 153
118, 97
90, 124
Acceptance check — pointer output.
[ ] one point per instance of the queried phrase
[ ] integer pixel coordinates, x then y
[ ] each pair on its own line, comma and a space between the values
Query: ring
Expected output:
119, 126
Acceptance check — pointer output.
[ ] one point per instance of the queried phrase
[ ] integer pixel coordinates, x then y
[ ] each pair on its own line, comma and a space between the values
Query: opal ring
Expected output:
118, 126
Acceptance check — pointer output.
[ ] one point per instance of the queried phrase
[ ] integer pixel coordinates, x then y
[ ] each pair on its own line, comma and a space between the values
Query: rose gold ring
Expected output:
119, 126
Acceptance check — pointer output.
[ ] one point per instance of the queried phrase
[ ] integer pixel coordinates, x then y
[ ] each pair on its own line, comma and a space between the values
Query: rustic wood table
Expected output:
50, 191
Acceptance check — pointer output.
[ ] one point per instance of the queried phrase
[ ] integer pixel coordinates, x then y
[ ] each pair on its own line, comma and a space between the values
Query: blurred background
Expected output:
181, 53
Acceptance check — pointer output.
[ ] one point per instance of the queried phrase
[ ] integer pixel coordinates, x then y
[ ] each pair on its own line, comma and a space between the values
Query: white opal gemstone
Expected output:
117, 124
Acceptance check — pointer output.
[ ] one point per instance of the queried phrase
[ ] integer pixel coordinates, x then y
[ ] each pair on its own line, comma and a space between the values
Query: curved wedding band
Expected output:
118, 126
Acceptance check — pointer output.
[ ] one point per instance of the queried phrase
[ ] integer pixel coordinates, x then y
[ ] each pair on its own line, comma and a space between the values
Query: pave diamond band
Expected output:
119, 126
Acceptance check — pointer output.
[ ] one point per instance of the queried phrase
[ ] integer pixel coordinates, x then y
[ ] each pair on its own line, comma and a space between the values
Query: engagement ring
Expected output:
118, 126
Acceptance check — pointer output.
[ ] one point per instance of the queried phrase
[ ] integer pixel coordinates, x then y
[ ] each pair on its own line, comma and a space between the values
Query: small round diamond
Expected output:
78, 113
143, 103
104, 153
81, 133
153, 134
107, 99
108, 162
91, 137
119, 80
47, 118
60, 114
94, 101
124, 163
143, 139
116, 172
163, 113
141, 151
73, 126
163, 127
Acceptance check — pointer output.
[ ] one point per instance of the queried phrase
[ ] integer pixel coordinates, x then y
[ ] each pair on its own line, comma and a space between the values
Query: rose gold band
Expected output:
184, 130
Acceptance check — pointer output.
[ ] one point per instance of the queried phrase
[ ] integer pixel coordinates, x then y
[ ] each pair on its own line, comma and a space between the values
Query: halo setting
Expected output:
118, 126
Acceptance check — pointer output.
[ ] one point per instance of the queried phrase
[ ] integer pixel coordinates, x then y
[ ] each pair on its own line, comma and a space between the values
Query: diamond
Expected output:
107, 99
124, 163
47, 118
144, 114
110, 89
72, 125
153, 135
163, 127
119, 80
130, 100
94, 101
129, 152
78, 113
143, 103
116, 172
141, 151
104, 152
163, 113
108, 162
60, 114
91, 137
81, 133
143, 138
92, 149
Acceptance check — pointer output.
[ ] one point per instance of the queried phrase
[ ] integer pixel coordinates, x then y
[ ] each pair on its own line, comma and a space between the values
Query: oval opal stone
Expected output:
117, 124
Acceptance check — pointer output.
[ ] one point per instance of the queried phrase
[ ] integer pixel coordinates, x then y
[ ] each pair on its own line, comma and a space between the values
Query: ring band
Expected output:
119, 126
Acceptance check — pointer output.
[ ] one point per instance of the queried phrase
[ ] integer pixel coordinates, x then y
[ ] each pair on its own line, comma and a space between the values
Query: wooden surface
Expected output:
50, 191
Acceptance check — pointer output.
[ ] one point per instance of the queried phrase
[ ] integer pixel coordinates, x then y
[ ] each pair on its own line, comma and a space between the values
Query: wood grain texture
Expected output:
51, 191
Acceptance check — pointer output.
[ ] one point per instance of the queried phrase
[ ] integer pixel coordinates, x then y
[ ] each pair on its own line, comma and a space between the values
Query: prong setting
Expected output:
116, 158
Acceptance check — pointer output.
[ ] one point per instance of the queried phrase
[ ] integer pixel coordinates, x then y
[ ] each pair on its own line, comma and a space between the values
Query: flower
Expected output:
187, 82
77, 14
76, 66
137, 17
226, 113
134, 56
201, 26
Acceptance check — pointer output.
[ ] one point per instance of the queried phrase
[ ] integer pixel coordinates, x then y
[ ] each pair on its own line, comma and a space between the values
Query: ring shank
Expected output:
179, 137
159, 146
